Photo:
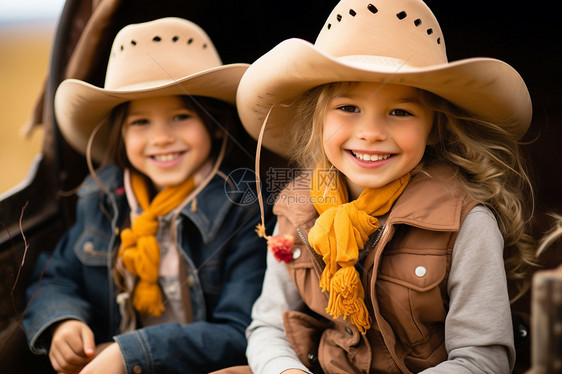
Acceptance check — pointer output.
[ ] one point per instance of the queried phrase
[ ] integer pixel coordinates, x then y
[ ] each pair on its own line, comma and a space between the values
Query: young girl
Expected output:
161, 268
391, 243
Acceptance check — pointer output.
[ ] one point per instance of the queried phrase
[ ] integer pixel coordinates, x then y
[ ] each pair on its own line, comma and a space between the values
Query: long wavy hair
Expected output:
553, 234
487, 159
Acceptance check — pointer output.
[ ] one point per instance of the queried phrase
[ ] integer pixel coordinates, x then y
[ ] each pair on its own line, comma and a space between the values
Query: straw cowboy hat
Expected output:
168, 56
386, 41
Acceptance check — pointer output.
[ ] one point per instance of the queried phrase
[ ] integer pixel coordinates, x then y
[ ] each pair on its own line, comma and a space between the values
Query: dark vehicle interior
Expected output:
33, 217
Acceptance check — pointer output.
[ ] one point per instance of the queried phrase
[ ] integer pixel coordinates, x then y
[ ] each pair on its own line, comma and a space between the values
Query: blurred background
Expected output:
26, 32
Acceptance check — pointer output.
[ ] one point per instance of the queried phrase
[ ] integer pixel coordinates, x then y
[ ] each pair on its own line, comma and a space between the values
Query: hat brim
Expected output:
487, 88
80, 106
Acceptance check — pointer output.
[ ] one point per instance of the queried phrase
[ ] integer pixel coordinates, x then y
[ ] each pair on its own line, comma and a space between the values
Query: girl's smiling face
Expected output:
165, 140
375, 133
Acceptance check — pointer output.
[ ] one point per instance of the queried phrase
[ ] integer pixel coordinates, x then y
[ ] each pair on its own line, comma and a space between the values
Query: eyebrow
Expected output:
412, 99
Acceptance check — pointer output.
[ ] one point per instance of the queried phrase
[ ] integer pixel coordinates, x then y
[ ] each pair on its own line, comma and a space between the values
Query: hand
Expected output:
72, 346
109, 361
294, 371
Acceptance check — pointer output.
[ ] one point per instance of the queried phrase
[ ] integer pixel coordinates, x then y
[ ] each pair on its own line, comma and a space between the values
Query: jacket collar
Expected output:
111, 177
209, 208
207, 211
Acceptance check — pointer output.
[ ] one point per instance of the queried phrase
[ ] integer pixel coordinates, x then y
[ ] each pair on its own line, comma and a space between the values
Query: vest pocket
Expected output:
306, 277
303, 332
409, 294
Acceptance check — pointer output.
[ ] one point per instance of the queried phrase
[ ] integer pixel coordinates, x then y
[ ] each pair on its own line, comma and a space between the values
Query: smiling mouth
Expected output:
370, 157
168, 157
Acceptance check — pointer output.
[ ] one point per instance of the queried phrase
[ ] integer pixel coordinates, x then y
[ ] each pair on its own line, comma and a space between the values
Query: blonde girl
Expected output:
396, 243
161, 268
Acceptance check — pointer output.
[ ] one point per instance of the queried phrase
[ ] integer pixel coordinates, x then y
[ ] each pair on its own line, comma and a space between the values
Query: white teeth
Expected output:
369, 157
166, 158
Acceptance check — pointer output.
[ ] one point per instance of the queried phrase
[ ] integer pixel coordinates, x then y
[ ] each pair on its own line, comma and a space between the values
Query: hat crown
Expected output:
405, 30
158, 52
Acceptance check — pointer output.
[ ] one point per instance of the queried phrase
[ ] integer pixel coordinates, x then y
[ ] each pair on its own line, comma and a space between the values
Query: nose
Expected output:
162, 133
371, 129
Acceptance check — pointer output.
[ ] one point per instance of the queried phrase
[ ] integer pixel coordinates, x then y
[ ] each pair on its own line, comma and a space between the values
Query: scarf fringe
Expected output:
347, 298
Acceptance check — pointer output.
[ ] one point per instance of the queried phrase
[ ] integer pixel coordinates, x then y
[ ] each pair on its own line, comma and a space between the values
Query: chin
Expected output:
167, 183
368, 183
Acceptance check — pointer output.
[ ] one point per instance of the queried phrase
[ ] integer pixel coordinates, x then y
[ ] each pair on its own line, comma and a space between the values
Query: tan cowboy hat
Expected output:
168, 56
386, 41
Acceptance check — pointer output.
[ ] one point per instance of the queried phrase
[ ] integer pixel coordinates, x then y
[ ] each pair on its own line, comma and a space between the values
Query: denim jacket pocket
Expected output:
91, 247
409, 293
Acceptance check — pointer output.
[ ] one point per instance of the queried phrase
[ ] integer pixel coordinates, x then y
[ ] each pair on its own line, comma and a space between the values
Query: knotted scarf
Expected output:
140, 251
341, 230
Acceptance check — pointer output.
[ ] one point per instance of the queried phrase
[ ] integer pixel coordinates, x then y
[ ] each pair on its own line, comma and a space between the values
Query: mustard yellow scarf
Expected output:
139, 249
341, 230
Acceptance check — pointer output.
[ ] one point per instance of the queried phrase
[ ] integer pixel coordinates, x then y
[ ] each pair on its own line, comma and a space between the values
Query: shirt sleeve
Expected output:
268, 350
478, 328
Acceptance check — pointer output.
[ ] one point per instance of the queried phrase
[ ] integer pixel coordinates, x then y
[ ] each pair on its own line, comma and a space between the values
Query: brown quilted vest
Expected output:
404, 269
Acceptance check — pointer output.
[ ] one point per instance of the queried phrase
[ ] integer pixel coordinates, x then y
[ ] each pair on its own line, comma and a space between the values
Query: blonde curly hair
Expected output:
553, 234
487, 158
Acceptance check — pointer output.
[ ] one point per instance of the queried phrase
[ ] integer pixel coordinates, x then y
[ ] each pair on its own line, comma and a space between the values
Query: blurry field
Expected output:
24, 56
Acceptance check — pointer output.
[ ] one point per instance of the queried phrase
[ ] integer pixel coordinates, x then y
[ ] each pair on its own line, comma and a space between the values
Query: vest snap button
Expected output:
420, 271
137, 369
296, 253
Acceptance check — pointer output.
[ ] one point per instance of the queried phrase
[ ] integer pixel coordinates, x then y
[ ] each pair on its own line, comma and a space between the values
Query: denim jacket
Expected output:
224, 261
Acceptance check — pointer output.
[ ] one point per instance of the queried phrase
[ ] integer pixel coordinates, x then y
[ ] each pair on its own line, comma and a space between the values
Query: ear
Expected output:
218, 134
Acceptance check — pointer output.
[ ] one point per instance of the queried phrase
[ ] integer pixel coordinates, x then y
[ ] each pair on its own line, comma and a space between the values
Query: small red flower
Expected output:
281, 246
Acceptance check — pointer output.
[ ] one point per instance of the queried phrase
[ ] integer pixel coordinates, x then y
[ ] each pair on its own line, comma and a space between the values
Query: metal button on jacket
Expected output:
88, 247
420, 271
296, 253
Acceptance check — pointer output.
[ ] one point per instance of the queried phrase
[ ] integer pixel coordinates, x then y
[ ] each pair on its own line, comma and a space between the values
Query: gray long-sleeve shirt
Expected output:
478, 329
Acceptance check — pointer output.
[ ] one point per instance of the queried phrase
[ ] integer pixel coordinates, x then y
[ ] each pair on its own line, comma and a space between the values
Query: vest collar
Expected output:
432, 200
